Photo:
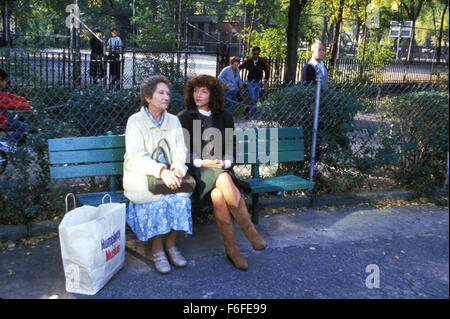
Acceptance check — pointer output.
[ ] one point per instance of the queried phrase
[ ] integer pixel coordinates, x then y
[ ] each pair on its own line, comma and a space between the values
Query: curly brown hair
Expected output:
217, 97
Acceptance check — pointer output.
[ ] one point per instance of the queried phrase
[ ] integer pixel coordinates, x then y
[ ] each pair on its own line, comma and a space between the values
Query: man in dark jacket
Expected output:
316, 66
96, 69
255, 66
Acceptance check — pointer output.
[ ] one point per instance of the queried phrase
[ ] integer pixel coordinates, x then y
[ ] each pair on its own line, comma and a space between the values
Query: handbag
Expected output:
157, 185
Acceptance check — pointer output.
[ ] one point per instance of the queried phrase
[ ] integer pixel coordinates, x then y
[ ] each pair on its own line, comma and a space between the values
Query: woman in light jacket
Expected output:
152, 216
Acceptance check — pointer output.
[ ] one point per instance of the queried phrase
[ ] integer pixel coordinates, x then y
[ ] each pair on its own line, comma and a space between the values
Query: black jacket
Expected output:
255, 72
96, 46
221, 121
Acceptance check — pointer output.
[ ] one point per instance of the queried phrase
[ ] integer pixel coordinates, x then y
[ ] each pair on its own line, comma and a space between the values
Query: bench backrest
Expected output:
103, 155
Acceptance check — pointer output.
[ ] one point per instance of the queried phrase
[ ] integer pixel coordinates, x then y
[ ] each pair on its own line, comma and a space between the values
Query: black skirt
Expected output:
206, 177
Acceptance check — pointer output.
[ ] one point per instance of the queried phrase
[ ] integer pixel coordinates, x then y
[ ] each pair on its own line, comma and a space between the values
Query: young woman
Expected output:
149, 215
204, 102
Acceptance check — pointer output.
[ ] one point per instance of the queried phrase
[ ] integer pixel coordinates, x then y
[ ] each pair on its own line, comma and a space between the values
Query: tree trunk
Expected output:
255, 2
292, 41
441, 29
295, 9
413, 14
324, 37
336, 31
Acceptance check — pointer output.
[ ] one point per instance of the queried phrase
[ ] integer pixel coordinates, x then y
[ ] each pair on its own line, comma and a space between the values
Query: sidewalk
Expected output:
318, 252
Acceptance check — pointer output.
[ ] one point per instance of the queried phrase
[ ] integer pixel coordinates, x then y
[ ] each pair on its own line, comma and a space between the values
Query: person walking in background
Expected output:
96, 69
256, 66
153, 216
114, 48
212, 167
316, 66
231, 80
9, 101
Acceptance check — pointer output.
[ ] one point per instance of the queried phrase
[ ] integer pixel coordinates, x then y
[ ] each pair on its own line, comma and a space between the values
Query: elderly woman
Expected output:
204, 102
152, 216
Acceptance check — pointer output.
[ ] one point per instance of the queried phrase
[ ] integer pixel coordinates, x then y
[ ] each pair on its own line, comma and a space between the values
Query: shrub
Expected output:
294, 106
25, 186
415, 140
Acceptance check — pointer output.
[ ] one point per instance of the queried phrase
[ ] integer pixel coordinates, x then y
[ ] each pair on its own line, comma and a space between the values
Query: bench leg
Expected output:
255, 208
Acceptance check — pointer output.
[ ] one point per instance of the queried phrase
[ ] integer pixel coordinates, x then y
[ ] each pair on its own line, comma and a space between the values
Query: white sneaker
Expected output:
175, 257
161, 263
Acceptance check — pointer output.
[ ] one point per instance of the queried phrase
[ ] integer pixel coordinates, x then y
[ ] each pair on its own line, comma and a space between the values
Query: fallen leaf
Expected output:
312, 248
29, 253
396, 257
11, 272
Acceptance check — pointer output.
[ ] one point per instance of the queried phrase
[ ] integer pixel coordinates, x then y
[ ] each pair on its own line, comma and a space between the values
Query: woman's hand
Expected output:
170, 178
213, 163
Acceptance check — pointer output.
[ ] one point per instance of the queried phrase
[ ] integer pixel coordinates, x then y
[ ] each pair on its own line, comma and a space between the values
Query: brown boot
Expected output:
242, 217
229, 241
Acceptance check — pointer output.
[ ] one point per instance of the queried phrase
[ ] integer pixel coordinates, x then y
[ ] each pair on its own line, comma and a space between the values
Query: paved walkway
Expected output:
313, 253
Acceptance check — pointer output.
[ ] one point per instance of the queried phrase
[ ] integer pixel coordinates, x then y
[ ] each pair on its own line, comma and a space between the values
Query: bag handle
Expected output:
158, 147
104, 196
74, 203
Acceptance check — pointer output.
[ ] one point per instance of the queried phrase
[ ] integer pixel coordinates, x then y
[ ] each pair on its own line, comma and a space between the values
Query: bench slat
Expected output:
279, 183
86, 170
95, 199
290, 132
87, 156
86, 143
283, 157
283, 146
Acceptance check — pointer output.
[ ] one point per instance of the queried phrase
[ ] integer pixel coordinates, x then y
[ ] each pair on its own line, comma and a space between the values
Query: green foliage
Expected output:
341, 169
96, 110
415, 139
25, 188
270, 40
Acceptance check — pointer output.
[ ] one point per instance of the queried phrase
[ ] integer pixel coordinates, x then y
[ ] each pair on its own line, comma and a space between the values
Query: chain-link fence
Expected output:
370, 136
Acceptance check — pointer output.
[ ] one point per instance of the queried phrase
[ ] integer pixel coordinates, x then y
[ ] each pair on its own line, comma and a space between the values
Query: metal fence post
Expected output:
315, 127
378, 98
446, 175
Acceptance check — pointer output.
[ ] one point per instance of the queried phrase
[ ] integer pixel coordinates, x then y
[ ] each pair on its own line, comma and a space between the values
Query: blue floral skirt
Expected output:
160, 217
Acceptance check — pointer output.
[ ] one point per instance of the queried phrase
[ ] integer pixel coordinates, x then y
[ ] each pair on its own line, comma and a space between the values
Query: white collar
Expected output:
314, 62
205, 113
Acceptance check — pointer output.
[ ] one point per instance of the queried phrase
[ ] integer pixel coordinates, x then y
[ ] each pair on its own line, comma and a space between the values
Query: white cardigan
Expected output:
141, 139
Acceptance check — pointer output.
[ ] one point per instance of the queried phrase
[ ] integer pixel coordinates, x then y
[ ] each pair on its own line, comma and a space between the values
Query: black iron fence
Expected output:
53, 68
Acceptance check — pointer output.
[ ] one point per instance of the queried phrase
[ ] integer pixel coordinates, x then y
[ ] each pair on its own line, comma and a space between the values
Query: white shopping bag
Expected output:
92, 243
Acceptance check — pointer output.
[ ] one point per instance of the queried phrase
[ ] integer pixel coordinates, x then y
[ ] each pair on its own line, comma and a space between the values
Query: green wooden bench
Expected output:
103, 156
254, 150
